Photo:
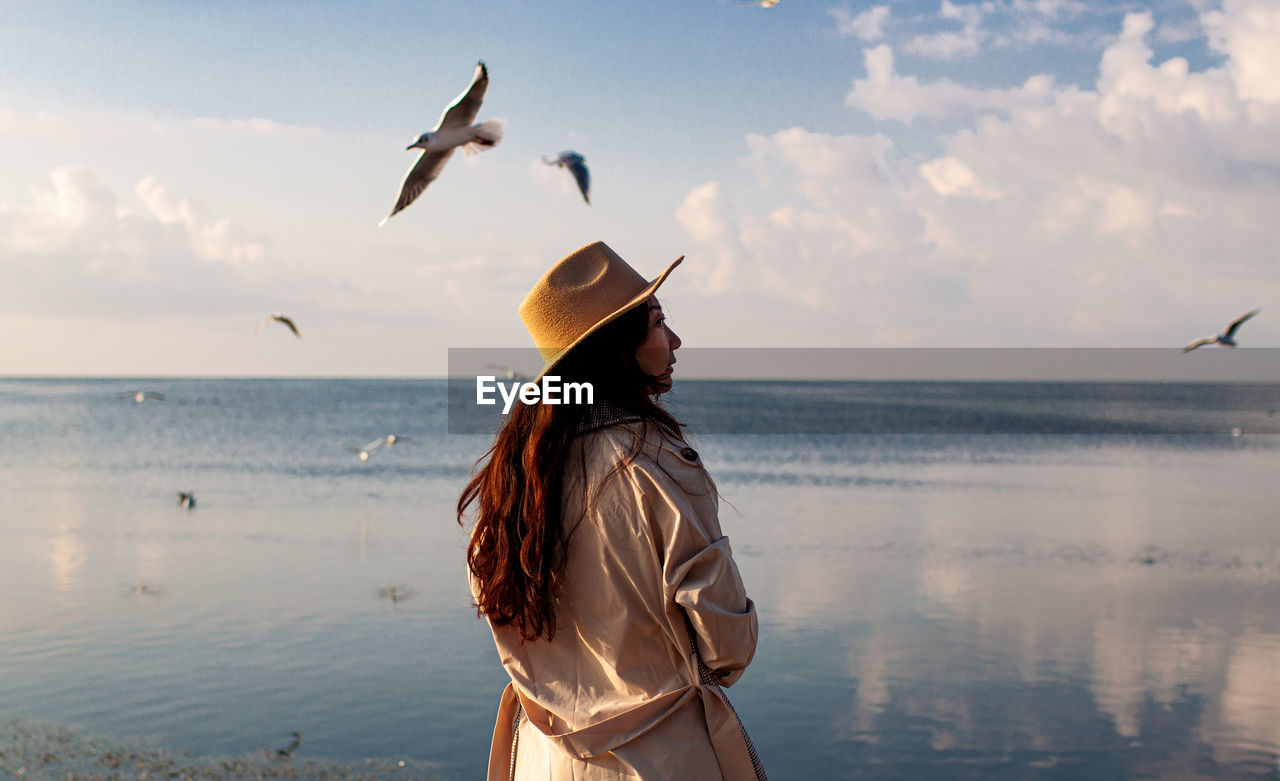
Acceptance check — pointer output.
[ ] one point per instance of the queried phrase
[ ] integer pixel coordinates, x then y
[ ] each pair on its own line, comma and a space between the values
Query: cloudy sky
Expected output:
999, 173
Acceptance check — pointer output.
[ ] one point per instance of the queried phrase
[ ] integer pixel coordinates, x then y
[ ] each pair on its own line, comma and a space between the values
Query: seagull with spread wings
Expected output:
452, 131
276, 317
577, 165
366, 450
1228, 336
141, 396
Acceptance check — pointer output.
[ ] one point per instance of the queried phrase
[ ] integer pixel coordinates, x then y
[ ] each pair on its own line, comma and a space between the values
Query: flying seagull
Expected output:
366, 450
276, 317
1227, 338
577, 165
141, 396
452, 131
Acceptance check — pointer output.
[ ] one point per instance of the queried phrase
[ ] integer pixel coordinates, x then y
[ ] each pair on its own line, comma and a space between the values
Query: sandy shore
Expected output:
33, 750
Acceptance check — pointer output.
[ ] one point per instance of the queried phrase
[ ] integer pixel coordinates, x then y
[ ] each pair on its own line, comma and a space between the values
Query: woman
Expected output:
597, 556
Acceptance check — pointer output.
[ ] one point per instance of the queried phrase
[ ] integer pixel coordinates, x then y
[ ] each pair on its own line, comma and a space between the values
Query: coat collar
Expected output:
605, 413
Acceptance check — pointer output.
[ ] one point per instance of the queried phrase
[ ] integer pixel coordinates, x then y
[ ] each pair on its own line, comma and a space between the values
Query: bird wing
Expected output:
463, 110
578, 167
1200, 343
423, 173
1231, 329
292, 327
379, 442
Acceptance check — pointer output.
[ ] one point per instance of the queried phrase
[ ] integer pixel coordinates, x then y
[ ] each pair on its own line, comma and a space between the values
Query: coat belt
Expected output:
606, 735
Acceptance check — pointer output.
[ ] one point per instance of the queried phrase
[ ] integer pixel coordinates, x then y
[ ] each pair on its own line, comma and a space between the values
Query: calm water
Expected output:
1100, 604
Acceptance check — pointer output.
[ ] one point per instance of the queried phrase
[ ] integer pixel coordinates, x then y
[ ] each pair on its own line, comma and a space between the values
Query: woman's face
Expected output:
657, 353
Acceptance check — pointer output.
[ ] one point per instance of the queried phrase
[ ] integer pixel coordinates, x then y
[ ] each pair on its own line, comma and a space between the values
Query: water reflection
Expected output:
1113, 682
151, 558
1251, 699
66, 554
952, 609
869, 667
1106, 626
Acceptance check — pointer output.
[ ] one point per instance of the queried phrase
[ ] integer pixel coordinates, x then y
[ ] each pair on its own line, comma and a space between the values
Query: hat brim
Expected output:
635, 300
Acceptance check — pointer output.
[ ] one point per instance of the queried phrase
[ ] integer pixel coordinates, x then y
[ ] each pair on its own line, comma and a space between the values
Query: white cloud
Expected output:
211, 238
1179, 32
75, 248
703, 215
866, 26
967, 14
945, 45
1247, 31
969, 29
266, 128
1116, 215
1050, 8
886, 95
949, 176
77, 214
87, 126
57, 218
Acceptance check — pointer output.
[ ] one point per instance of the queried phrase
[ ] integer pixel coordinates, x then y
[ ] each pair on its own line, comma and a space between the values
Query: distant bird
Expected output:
276, 317
287, 751
452, 131
366, 450
141, 396
187, 499
1227, 338
510, 373
577, 165
144, 589
395, 593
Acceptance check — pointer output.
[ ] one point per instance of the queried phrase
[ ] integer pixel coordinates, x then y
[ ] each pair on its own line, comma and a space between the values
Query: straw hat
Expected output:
587, 289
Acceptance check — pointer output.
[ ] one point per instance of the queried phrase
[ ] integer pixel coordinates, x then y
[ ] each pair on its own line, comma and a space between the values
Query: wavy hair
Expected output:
517, 551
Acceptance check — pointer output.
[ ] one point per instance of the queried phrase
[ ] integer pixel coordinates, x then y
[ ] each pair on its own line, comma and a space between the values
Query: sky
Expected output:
907, 173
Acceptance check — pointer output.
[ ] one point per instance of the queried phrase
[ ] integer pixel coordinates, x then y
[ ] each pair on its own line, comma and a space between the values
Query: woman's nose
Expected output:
674, 339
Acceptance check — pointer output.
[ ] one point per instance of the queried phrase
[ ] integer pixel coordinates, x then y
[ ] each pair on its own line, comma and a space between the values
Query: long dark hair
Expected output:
516, 555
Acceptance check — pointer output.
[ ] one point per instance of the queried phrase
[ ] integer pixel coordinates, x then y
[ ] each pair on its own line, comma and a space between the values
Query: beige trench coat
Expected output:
617, 694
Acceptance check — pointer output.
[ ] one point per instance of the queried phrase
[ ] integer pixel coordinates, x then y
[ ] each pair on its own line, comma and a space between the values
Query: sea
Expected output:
955, 580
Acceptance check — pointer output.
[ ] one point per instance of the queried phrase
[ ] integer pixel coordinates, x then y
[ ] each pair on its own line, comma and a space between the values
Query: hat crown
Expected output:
584, 288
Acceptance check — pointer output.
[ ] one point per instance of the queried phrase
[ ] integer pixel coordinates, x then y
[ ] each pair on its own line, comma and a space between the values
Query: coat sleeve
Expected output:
698, 570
